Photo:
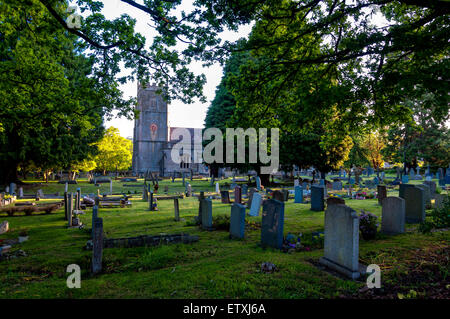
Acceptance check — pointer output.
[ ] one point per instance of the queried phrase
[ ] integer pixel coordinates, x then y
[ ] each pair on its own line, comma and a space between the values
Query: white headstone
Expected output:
217, 188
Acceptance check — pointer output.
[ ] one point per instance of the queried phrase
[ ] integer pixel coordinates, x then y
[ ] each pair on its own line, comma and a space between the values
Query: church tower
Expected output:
150, 135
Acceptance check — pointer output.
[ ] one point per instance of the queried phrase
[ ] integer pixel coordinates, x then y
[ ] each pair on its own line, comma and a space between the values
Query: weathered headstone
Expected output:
20, 192
393, 215
285, 194
151, 204
335, 201
177, 209
298, 196
70, 209
278, 195
427, 192
401, 192
250, 196
206, 214
258, 183
200, 201
272, 223
237, 195
405, 179
237, 221
414, 205
225, 197
432, 186
255, 204
97, 250
341, 247
381, 193
94, 217
317, 198
217, 188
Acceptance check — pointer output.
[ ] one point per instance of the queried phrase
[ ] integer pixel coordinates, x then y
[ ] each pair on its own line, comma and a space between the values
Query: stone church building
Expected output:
152, 143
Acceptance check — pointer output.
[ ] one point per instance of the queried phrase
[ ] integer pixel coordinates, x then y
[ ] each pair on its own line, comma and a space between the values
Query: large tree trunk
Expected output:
265, 179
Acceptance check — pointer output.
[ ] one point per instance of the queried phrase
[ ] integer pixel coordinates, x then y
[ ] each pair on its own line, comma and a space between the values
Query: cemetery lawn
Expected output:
413, 265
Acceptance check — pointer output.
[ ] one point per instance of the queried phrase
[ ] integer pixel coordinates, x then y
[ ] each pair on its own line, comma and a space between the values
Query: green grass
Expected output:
213, 267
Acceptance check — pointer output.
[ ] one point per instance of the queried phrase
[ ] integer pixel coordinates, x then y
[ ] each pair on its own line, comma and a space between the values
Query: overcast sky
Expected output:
180, 114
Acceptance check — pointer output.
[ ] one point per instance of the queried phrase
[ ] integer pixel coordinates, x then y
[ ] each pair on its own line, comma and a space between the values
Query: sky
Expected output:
180, 114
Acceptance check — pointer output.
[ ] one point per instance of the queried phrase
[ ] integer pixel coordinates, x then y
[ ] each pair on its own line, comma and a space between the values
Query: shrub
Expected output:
440, 217
368, 225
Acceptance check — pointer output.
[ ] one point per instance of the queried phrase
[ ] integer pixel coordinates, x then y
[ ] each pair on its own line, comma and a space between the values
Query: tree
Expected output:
114, 152
51, 105
424, 138
374, 144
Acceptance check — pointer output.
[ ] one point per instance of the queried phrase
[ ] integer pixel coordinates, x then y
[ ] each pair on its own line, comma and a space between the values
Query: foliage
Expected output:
373, 143
367, 223
51, 104
440, 217
114, 152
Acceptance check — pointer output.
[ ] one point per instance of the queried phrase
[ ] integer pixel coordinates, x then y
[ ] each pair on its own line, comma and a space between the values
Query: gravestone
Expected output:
405, 179
237, 221
298, 196
151, 204
206, 214
432, 186
217, 188
177, 209
245, 189
97, 250
40, 193
335, 201
393, 215
12, 188
337, 186
94, 217
381, 193
20, 192
427, 192
225, 197
278, 196
200, 201
401, 191
237, 195
272, 224
285, 194
70, 209
188, 190
351, 181
250, 197
341, 247
255, 204
317, 198
258, 183
296, 182
414, 205
66, 187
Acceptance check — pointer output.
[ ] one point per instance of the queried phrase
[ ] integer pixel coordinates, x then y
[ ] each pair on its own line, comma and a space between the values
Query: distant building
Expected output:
152, 144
